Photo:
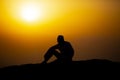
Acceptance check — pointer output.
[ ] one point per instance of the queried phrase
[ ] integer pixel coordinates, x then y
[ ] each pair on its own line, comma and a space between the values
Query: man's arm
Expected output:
54, 47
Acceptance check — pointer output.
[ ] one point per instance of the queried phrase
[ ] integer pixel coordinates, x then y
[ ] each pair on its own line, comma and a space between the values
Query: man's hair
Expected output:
60, 38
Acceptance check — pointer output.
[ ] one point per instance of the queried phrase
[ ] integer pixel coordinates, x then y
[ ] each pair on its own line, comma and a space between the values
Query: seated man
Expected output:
63, 51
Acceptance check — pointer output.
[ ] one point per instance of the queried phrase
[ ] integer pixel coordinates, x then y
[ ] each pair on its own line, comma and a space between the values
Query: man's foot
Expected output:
44, 62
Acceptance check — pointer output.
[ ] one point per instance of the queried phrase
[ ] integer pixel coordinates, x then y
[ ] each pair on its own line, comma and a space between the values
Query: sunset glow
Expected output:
29, 27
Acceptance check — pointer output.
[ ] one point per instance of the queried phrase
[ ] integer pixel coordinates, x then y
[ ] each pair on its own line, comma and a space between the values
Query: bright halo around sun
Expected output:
30, 12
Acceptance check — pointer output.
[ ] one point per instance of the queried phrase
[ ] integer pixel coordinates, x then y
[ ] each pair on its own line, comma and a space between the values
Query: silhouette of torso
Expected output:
66, 50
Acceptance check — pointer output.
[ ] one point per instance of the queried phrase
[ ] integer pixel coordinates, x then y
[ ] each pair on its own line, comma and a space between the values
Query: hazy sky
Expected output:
92, 27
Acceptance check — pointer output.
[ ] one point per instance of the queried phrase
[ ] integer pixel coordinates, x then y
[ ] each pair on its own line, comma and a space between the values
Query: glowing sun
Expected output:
30, 12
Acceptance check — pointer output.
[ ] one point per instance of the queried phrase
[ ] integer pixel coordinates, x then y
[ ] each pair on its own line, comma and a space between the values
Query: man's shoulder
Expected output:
67, 42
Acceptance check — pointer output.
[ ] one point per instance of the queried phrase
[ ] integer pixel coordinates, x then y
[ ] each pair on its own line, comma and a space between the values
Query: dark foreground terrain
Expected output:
53, 70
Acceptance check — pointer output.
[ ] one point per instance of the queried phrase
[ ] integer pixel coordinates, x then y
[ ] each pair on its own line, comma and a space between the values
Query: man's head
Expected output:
60, 39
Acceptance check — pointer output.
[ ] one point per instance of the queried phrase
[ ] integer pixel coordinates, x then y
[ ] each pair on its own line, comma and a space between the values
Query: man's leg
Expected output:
57, 54
48, 55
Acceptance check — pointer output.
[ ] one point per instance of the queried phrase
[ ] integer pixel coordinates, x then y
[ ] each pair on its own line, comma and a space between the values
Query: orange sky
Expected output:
92, 26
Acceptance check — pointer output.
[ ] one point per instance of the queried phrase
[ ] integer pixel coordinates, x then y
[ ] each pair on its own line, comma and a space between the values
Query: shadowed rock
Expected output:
37, 71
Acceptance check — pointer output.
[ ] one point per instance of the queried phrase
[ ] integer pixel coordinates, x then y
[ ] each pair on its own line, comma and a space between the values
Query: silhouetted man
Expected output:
63, 51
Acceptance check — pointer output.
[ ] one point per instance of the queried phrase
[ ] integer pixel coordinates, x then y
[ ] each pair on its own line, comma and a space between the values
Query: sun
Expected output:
30, 12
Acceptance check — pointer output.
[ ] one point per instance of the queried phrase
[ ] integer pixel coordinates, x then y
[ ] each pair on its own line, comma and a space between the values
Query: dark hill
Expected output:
39, 71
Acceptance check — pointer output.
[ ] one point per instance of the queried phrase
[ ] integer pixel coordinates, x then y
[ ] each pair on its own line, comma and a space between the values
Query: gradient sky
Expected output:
92, 27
